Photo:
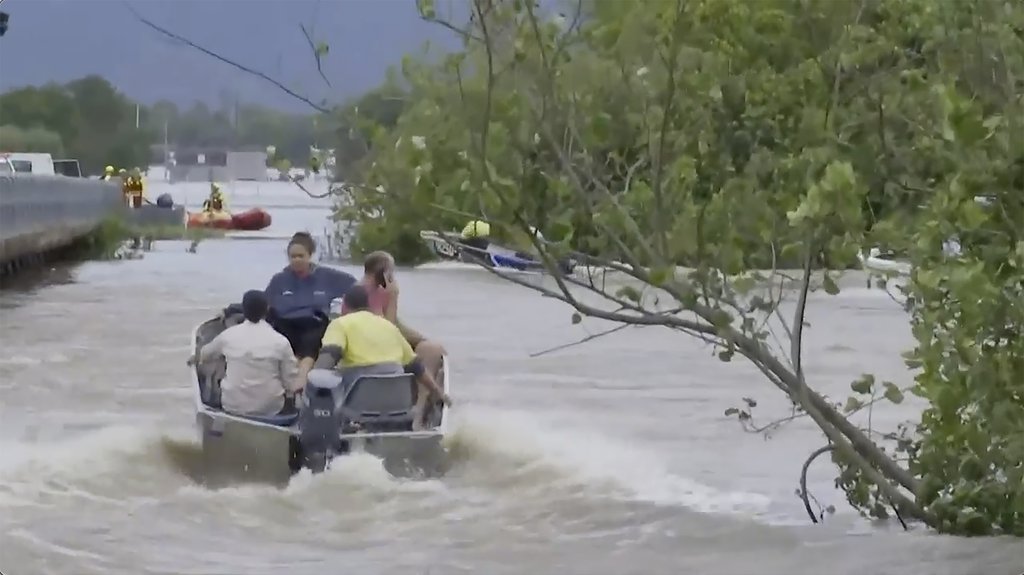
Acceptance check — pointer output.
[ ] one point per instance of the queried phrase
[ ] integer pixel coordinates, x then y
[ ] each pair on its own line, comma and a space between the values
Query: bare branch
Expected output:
589, 338
804, 495
316, 54
232, 63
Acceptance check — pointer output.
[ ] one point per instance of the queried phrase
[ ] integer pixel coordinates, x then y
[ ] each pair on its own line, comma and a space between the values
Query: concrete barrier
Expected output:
149, 216
39, 214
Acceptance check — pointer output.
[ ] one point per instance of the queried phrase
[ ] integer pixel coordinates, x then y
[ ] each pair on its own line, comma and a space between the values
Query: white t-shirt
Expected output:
260, 368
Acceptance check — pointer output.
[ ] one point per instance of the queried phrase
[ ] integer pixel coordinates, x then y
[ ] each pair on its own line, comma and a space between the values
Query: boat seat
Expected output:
380, 402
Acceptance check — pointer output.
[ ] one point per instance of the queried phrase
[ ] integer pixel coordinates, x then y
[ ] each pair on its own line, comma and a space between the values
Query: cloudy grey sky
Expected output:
59, 40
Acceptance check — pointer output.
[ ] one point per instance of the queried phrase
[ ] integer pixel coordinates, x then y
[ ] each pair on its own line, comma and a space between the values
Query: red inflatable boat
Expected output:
251, 220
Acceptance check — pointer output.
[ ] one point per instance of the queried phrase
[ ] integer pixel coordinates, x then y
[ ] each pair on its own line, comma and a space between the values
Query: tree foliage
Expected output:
734, 136
359, 121
95, 123
31, 140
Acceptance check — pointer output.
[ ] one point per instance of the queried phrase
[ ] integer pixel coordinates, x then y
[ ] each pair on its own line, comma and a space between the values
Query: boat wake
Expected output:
497, 459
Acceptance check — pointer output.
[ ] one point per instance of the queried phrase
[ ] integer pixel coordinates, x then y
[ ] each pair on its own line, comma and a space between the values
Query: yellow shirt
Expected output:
368, 339
476, 229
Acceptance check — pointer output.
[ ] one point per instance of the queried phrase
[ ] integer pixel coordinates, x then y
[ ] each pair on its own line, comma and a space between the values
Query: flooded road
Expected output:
606, 458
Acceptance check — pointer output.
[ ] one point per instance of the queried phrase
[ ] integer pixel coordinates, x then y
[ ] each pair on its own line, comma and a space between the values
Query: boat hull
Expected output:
447, 247
235, 450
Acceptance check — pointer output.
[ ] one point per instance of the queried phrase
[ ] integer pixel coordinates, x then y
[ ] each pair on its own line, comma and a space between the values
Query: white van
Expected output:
29, 163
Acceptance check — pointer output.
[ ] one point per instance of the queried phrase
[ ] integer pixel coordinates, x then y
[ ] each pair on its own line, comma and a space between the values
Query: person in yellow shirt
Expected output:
108, 174
361, 342
476, 234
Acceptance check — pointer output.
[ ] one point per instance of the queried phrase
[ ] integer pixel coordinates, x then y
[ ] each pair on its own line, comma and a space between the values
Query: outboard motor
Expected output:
319, 420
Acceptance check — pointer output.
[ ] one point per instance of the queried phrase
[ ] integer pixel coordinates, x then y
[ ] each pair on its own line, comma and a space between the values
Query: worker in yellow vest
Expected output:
135, 189
215, 202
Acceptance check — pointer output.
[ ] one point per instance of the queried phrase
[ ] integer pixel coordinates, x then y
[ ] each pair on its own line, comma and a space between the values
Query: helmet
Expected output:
122, 171
109, 169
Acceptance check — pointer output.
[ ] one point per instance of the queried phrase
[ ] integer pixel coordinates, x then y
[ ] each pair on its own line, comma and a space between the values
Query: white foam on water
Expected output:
22, 360
505, 455
98, 464
598, 459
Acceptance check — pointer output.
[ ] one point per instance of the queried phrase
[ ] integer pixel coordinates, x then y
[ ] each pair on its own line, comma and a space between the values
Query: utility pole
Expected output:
167, 152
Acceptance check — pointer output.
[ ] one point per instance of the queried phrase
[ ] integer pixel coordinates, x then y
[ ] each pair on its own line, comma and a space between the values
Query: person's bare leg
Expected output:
305, 364
431, 354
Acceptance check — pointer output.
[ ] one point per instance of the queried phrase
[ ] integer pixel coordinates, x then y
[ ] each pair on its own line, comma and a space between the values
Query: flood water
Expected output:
612, 457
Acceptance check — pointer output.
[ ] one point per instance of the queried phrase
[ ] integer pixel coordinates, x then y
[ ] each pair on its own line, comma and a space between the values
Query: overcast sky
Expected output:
60, 40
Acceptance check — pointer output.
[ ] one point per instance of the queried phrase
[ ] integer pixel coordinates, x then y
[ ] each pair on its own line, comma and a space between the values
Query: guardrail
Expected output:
39, 214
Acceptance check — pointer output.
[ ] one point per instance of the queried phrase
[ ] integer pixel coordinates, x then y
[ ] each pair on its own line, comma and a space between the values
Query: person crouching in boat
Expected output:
261, 368
108, 174
215, 201
300, 301
476, 234
362, 343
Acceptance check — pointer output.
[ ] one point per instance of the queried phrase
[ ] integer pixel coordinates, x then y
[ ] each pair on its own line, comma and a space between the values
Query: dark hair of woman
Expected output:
303, 239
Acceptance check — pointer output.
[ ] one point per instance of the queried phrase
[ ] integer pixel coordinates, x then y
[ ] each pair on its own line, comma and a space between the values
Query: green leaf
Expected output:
628, 293
864, 384
892, 393
720, 318
743, 284
426, 9
972, 216
852, 404
661, 276
830, 285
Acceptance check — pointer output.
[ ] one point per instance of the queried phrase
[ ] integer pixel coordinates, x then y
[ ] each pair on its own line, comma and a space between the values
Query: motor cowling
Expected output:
319, 419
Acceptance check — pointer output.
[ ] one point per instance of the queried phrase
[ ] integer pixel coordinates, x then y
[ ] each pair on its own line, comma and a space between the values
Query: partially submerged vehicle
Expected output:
375, 415
451, 247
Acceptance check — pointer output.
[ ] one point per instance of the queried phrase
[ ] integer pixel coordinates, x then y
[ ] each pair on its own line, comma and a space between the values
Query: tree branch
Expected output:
317, 56
232, 63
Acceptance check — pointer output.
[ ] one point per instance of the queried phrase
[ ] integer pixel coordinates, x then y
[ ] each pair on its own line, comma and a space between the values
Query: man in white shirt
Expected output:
261, 367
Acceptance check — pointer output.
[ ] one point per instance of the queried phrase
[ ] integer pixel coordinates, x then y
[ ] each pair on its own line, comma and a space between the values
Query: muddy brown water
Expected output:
607, 458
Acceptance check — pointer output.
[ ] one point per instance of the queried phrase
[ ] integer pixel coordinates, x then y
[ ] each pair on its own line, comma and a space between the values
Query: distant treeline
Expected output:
89, 120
